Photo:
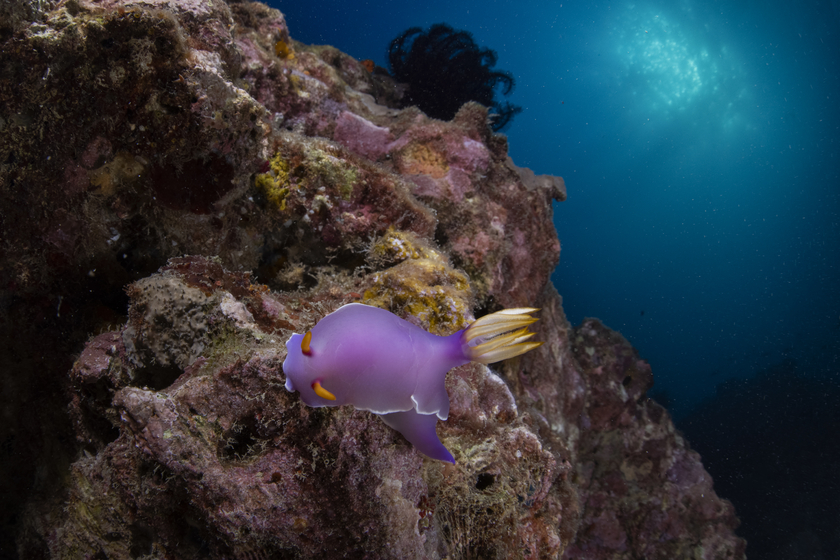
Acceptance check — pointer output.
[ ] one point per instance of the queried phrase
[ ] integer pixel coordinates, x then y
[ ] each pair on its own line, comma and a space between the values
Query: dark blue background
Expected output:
700, 144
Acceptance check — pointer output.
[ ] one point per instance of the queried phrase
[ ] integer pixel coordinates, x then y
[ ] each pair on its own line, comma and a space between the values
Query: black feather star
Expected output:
445, 68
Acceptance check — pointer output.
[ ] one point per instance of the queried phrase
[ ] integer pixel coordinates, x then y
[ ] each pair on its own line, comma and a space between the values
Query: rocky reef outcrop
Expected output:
183, 185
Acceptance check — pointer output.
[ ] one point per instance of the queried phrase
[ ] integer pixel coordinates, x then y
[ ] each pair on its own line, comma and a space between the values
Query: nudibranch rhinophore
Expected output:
376, 361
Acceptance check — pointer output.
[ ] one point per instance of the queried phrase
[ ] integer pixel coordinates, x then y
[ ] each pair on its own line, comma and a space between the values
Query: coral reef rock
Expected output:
184, 185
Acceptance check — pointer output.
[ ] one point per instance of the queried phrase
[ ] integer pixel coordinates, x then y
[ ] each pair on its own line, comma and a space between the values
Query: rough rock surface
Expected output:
134, 133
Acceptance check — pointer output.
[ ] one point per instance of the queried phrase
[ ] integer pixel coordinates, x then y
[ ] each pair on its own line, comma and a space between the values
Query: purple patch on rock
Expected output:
362, 136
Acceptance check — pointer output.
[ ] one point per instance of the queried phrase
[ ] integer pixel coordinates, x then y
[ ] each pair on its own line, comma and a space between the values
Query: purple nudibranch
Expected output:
376, 361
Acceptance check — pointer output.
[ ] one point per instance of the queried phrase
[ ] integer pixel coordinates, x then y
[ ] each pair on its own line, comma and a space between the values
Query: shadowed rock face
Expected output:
134, 136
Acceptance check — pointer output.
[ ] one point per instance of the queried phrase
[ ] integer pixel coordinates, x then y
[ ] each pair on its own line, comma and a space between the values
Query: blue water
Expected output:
700, 144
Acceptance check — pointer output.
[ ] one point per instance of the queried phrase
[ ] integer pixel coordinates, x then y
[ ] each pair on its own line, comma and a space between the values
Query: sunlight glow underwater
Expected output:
671, 72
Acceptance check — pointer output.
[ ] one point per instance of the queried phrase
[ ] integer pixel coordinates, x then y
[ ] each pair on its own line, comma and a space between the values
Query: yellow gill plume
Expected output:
499, 343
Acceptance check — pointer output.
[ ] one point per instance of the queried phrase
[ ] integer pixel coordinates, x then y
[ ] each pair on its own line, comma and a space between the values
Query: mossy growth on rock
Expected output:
302, 167
397, 246
483, 505
421, 283
331, 169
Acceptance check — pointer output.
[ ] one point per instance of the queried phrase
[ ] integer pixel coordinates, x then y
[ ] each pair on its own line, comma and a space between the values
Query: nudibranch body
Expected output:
376, 361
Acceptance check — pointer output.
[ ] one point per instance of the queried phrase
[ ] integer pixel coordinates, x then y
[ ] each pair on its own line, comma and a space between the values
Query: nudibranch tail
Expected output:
502, 343
420, 431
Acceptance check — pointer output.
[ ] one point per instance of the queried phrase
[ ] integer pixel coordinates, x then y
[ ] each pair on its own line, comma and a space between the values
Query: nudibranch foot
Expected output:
419, 430
499, 343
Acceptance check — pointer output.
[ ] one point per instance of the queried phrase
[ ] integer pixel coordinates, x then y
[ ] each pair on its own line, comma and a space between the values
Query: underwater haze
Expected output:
699, 144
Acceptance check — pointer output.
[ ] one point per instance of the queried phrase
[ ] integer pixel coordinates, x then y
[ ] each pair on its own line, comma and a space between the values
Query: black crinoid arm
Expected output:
445, 68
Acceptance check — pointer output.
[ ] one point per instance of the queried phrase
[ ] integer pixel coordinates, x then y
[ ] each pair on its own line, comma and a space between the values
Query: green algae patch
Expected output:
332, 170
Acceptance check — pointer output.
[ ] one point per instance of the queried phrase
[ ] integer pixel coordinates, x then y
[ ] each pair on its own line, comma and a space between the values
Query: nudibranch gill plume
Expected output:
376, 361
